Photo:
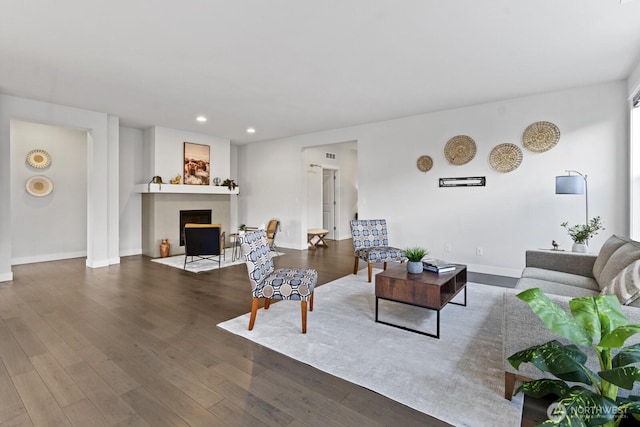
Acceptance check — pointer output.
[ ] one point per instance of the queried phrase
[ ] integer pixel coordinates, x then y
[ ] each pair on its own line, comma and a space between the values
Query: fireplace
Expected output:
202, 216
161, 218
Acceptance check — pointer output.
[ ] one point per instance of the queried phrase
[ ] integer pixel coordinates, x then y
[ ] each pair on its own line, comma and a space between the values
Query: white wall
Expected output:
633, 82
514, 212
53, 226
113, 190
102, 175
131, 173
633, 88
164, 149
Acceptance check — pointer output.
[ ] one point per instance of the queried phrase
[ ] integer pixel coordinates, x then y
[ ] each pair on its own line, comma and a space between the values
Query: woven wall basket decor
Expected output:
460, 149
505, 157
38, 159
39, 186
425, 163
540, 137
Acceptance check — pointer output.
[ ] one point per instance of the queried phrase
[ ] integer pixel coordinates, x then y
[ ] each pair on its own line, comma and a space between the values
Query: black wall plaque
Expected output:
473, 181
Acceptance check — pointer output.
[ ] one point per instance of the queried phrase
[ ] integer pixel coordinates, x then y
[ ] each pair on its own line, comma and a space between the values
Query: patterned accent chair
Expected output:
371, 244
270, 283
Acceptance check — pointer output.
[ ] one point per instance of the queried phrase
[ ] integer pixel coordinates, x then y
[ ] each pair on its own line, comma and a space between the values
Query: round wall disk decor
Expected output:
505, 157
39, 159
540, 136
460, 149
39, 186
425, 163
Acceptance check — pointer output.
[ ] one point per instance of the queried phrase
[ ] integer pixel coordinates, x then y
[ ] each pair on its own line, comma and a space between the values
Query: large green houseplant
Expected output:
597, 323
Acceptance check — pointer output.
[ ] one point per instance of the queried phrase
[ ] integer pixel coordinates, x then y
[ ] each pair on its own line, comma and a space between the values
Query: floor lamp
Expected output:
574, 184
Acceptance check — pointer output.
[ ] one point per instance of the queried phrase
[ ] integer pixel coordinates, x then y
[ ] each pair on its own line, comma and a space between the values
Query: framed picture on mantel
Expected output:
197, 164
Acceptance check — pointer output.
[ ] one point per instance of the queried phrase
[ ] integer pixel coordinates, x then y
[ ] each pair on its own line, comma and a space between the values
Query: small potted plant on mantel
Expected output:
581, 233
414, 257
230, 184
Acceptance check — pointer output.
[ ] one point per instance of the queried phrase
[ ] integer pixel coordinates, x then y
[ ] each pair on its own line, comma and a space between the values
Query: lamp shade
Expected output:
570, 184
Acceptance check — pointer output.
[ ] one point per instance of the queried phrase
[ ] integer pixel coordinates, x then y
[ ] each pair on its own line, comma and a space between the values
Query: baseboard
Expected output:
47, 257
496, 271
97, 264
130, 252
6, 277
492, 279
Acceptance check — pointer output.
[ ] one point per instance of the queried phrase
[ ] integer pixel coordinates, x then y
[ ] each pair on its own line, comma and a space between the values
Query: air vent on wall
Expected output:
330, 155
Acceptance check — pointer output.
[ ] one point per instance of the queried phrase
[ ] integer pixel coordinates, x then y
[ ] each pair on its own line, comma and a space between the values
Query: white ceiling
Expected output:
288, 67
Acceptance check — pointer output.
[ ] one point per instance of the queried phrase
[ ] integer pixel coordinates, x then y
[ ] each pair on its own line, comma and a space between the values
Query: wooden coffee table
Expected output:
427, 290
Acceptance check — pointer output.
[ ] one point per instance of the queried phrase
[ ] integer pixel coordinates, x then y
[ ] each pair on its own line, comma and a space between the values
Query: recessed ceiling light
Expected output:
251, 130
201, 119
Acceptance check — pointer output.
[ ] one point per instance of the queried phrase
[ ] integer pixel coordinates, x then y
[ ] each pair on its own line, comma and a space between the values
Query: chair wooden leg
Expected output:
370, 269
254, 311
311, 302
509, 384
355, 266
267, 303
303, 309
384, 265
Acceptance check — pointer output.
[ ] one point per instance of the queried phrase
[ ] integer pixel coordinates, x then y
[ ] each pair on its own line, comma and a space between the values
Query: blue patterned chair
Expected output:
371, 245
270, 283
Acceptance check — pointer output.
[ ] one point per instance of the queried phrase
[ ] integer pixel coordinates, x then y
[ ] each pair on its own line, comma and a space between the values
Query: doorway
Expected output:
330, 199
331, 188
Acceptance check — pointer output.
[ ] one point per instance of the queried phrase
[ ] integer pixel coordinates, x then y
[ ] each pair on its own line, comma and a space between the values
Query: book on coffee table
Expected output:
437, 265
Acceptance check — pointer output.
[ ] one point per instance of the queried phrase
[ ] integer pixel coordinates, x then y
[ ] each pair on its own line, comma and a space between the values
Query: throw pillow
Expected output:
612, 244
626, 285
621, 258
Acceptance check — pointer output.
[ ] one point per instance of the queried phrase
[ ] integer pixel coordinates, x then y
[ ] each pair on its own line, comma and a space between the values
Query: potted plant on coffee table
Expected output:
592, 397
581, 233
414, 259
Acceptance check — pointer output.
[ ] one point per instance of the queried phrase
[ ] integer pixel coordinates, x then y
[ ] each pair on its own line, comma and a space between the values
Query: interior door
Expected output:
329, 202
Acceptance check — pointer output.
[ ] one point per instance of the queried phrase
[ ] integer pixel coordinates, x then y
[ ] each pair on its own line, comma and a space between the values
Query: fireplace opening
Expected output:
202, 216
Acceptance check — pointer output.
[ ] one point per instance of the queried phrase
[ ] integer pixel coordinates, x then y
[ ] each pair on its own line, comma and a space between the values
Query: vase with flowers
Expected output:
581, 233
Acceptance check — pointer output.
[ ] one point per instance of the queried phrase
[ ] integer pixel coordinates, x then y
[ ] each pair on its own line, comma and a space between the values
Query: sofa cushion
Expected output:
622, 257
560, 277
612, 244
626, 285
554, 288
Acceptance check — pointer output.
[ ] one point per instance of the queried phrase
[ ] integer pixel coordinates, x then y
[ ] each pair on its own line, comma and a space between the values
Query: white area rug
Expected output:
458, 378
198, 266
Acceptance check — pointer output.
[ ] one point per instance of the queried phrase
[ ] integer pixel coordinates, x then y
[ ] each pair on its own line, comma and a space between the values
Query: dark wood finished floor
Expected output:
136, 344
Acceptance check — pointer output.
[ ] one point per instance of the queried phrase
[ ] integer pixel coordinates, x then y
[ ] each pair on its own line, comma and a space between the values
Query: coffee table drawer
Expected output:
427, 289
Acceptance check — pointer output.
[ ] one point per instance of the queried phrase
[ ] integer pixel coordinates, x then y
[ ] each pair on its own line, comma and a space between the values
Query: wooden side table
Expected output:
319, 234
236, 253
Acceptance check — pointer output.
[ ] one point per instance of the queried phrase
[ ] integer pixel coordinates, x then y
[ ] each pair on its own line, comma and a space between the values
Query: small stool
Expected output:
319, 234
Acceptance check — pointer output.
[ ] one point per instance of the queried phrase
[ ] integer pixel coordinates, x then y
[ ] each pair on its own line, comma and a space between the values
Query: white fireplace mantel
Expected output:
184, 189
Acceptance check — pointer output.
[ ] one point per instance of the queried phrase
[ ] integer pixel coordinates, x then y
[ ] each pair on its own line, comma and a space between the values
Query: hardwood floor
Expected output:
136, 344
